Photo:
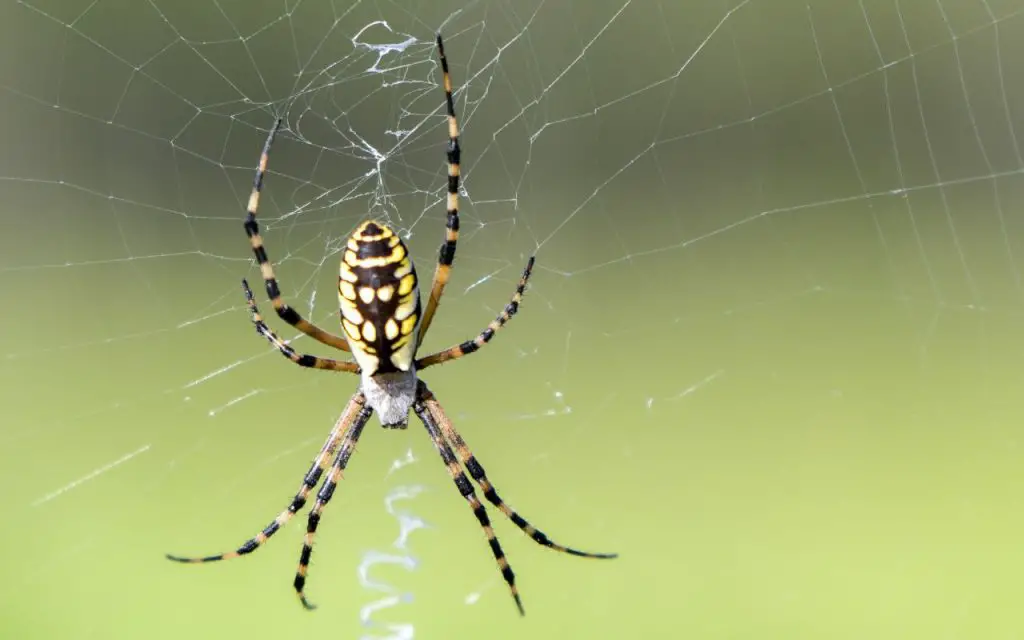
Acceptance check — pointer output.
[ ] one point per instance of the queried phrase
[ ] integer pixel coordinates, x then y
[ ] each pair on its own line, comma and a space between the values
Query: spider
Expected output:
384, 326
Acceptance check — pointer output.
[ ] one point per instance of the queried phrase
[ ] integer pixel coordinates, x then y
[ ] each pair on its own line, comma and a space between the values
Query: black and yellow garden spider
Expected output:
384, 327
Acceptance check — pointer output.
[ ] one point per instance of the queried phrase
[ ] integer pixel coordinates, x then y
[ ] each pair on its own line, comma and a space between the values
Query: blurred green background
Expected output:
771, 354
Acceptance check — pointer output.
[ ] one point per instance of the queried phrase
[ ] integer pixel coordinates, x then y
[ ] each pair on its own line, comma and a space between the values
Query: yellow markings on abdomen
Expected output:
406, 284
351, 330
409, 324
369, 332
378, 295
347, 291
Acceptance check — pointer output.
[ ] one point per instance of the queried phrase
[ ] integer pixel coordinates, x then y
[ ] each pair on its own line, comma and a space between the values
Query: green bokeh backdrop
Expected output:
771, 355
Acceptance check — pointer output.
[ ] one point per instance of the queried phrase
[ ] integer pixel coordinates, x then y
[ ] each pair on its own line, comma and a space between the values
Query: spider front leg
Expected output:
478, 474
303, 359
466, 489
338, 433
252, 229
348, 446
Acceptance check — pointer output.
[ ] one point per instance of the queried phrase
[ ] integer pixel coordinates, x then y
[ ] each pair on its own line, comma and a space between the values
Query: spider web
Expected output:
778, 270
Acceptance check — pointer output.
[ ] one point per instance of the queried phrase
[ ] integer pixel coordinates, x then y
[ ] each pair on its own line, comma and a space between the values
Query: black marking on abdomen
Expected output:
375, 248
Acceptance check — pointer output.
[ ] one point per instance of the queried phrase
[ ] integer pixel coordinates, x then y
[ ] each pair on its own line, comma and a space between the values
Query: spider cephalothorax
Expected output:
381, 317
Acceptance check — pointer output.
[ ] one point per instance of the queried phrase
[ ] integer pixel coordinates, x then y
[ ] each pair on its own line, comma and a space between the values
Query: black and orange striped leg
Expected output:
301, 359
446, 255
478, 474
469, 346
466, 489
348, 446
308, 483
252, 229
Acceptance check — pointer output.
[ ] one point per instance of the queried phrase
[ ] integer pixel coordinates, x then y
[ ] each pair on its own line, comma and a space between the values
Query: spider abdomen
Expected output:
378, 292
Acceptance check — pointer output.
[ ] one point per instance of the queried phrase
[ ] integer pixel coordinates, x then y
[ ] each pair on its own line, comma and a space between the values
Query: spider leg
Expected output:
303, 360
466, 489
446, 255
308, 483
348, 446
470, 346
477, 472
252, 229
